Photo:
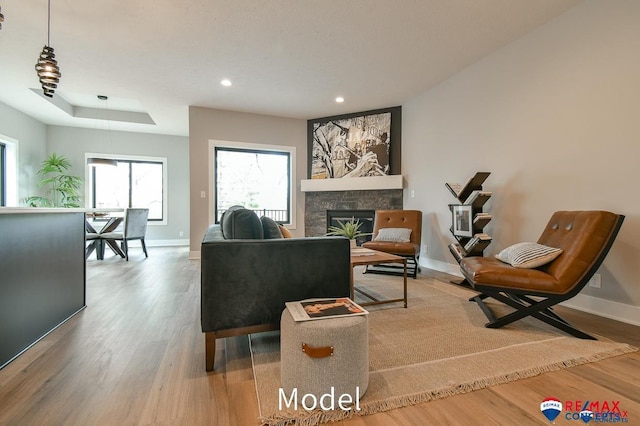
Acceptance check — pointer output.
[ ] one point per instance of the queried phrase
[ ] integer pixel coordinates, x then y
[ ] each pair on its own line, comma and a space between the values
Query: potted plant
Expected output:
61, 189
349, 229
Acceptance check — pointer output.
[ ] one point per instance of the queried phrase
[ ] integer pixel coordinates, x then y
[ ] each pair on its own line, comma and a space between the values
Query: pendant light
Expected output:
47, 66
1, 17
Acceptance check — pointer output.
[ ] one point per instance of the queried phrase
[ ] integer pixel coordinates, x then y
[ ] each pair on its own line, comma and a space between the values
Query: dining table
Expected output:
108, 220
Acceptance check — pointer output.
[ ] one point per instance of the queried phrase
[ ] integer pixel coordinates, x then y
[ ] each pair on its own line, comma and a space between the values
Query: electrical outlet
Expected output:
181, 234
425, 249
596, 281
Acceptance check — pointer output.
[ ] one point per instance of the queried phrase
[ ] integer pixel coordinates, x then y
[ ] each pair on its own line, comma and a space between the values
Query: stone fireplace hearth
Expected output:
318, 203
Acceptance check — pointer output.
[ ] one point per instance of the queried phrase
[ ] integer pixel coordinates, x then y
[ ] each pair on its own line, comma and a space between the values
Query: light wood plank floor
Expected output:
135, 356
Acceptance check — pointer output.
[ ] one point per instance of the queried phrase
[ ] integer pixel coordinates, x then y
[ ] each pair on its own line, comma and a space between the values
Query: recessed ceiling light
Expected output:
339, 99
226, 82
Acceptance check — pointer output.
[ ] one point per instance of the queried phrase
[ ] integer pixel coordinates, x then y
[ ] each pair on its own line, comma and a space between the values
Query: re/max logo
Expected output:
595, 406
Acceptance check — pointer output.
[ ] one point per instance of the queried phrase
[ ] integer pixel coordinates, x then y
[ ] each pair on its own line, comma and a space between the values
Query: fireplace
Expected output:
364, 216
318, 203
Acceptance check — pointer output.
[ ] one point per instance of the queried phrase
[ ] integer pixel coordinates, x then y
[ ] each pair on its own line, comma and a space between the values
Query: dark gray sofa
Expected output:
246, 282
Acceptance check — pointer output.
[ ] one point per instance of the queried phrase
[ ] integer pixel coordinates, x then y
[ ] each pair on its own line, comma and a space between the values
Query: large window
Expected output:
136, 182
260, 179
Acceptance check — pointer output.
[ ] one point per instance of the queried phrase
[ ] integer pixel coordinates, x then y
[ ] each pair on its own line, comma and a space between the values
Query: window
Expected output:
134, 182
3, 175
8, 171
255, 176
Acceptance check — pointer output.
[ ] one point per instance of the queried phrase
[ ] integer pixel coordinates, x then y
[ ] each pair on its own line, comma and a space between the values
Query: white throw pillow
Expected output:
394, 235
528, 255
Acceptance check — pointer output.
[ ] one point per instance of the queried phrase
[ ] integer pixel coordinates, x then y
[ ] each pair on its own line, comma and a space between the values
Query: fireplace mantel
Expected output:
352, 183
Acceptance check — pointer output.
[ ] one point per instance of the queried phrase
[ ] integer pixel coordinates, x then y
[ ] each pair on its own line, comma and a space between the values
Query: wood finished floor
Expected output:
135, 356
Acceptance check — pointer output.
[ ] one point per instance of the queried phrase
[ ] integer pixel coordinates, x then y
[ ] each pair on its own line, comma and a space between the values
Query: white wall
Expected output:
31, 137
74, 142
207, 124
555, 118
37, 140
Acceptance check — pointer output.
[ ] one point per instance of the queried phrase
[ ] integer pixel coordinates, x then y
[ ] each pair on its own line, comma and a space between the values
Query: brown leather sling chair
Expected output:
399, 219
585, 238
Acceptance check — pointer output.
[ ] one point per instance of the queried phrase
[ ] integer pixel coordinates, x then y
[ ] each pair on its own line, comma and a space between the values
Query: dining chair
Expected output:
135, 228
92, 239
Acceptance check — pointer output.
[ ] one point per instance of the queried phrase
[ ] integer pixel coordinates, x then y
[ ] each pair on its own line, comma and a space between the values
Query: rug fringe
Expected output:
312, 418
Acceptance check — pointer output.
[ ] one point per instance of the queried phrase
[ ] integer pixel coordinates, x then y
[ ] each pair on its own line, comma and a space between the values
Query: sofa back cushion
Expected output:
270, 228
241, 223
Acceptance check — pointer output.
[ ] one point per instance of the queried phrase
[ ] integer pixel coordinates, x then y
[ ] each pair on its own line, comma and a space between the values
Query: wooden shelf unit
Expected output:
468, 218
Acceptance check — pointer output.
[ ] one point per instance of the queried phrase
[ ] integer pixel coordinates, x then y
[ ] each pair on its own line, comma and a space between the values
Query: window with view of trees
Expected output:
132, 183
257, 179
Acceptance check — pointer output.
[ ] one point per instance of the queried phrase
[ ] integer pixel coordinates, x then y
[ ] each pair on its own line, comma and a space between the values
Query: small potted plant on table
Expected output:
349, 229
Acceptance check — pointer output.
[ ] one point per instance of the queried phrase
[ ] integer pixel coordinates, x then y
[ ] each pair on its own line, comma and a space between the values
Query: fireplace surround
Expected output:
318, 203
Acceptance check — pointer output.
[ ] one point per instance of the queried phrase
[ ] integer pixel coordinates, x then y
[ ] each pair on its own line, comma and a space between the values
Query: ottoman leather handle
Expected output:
319, 352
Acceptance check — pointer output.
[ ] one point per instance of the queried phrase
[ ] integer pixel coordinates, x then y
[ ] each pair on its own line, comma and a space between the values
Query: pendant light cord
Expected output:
47, 67
49, 24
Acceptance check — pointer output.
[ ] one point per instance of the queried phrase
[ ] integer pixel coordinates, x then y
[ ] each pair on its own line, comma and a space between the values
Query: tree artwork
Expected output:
351, 147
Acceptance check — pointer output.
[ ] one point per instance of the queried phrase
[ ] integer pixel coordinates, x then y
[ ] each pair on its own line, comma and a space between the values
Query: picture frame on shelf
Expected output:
462, 220
359, 144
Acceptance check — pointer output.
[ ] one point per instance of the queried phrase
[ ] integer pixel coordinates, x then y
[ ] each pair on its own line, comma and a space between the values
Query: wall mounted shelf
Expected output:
352, 183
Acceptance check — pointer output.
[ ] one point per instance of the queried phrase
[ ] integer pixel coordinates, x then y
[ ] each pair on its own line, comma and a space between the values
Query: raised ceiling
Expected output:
288, 58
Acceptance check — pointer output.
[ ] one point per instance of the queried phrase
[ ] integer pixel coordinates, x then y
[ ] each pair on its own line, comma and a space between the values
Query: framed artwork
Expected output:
355, 145
462, 220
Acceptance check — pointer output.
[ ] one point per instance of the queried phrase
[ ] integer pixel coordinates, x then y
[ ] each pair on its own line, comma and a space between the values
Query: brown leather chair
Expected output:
411, 219
585, 238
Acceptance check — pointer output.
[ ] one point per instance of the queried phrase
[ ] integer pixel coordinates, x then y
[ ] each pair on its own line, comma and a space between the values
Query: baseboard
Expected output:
194, 255
593, 305
159, 243
605, 308
437, 265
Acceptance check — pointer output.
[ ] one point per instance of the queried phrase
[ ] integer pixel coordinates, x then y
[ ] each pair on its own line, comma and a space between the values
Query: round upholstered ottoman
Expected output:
326, 356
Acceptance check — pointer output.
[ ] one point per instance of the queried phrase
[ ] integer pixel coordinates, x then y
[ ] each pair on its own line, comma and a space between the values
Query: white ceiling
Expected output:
286, 58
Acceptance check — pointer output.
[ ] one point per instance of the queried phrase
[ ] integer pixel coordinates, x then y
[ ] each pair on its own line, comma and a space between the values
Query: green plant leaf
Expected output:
37, 201
349, 229
61, 188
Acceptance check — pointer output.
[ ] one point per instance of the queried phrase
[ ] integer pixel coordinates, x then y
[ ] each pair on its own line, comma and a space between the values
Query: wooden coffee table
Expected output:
362, 256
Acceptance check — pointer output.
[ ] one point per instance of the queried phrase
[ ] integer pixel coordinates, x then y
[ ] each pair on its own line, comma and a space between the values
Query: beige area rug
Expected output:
435, 348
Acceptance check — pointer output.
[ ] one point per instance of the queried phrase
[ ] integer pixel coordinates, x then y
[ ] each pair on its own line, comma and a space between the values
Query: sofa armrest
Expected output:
214, 233
247, 282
